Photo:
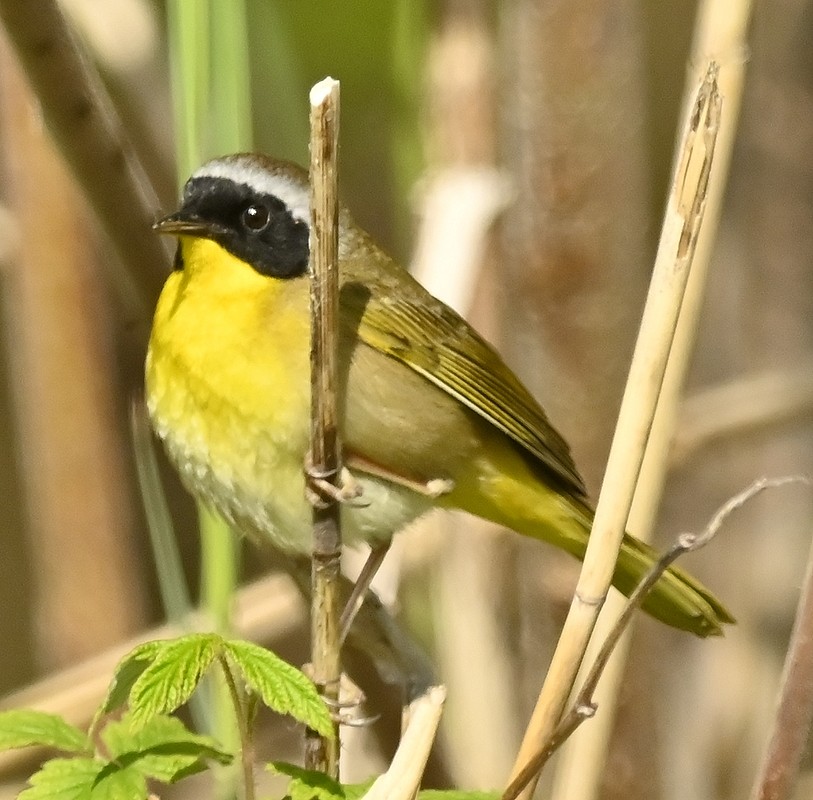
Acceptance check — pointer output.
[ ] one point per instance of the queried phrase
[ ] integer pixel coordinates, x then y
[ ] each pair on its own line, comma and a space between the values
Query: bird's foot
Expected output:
346, 709
320, 488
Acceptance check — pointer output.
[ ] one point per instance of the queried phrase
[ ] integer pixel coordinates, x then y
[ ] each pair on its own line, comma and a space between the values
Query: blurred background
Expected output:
547, 127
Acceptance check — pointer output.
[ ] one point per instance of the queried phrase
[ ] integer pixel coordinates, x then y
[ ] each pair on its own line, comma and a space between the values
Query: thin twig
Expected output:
672, 267
584, 706
323, 460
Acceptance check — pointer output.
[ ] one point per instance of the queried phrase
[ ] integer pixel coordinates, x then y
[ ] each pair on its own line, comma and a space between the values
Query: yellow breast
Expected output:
227, 386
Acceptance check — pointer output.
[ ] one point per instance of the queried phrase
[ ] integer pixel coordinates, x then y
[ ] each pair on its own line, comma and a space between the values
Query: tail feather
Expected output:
677, 599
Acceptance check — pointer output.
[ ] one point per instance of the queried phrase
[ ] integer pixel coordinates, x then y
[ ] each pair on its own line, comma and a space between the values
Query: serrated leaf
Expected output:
84, 779
63, 779
163, 749
309, 785
117, 783
24, 728
457, 794
281, 687
175, 671
127, 672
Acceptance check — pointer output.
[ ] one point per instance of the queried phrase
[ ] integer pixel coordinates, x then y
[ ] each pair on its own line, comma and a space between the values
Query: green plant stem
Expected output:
243, 726
168, 562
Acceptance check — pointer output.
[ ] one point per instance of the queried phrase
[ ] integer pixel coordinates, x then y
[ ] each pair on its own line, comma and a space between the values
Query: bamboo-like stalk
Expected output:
720, 30
584, 704
323, 461
684, 214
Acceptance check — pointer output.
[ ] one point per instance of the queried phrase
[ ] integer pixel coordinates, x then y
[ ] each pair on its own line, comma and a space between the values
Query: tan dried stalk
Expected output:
684, 214
323, 461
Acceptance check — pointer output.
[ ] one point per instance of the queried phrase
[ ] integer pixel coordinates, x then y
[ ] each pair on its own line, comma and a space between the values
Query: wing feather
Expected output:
424, 334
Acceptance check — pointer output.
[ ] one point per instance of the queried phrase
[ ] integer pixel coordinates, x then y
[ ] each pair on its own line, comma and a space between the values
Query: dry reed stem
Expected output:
323, 461
720, 33
673, 262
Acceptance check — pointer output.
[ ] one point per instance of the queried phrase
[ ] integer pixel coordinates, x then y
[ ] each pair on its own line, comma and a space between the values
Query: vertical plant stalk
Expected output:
211, 107
243, 716
684, 214
323, 459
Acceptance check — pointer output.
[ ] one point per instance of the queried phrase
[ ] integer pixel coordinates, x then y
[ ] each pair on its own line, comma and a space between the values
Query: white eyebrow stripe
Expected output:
291, 193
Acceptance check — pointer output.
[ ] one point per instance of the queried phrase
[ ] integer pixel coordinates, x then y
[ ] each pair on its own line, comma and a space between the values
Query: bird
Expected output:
430, 416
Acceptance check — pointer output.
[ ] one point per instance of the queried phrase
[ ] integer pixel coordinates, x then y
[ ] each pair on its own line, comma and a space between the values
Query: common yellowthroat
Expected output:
429, 413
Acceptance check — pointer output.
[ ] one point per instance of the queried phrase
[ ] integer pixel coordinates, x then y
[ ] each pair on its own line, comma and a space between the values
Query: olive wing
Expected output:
433, 340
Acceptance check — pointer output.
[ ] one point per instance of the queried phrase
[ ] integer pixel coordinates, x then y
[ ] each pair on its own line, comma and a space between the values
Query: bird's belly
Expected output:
249, 463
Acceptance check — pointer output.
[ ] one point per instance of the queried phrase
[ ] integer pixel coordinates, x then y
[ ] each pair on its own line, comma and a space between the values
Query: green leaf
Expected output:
23, 728
84, 779
175, 671
127, 672
308, 785
117, 783
457, 794
163, 749
280, 686
63, 779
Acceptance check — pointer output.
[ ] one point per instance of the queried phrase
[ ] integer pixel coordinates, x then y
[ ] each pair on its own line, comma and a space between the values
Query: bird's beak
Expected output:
179, 224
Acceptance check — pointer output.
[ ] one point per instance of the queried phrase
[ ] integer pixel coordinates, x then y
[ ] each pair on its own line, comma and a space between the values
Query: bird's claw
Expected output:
320, 488
345, 710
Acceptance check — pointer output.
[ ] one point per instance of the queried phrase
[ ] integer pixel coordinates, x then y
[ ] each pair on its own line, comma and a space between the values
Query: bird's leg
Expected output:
365, 578
320, 487
433, 487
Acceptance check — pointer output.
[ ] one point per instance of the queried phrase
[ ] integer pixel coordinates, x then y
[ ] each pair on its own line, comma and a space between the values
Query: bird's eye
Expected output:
255, 217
